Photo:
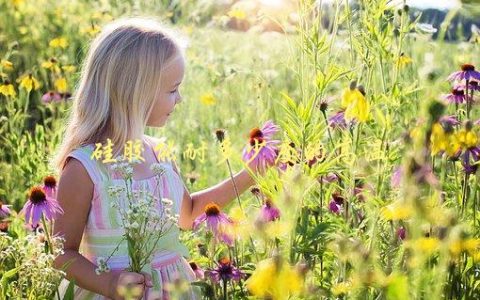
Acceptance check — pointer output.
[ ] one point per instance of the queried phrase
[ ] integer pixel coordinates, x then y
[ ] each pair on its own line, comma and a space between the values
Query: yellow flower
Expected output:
341, 288
91, 30
438, 139
59, 43
61, 85
208, 99
69, 68
52, 65
7, 89
23, 30
403, 60
28, 82
274, 280
241, 228
427, 245
277, 229
6, 65
355, 104
396, 211
467, 138
238, 14
471, 245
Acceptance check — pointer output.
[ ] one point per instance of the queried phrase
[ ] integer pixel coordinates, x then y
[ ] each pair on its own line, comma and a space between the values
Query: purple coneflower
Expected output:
337, 121
39, 203
449, 120
261, 150
401, 233
51, 96
216, 222
199, 273
456, 96
331, 177
336, 204
4, 210
474, 85
225, 271
468, 72
269, 212
50, 186
396, 178
470, 158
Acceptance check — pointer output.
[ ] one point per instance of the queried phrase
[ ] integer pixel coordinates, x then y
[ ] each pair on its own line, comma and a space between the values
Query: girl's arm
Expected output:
223, 193
74, 194
75, 191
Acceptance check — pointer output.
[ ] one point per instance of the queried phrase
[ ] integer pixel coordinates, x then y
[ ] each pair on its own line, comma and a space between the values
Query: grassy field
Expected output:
383, 207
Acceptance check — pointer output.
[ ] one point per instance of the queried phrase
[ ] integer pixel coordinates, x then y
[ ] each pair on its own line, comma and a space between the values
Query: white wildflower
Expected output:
157, 169
167, 202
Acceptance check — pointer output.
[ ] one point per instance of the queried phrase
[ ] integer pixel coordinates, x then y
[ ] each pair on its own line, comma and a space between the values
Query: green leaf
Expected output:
70, 292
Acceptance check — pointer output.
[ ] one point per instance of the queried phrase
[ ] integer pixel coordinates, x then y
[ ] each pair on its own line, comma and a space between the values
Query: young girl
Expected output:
130, 80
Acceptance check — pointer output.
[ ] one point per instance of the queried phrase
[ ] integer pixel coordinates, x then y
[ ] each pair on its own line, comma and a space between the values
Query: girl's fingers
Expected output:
148, 279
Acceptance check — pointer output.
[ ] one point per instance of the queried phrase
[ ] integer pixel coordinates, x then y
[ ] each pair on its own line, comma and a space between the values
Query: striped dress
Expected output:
103, 231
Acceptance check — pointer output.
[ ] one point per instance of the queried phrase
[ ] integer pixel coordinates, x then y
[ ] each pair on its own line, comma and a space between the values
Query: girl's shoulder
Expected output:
85, 161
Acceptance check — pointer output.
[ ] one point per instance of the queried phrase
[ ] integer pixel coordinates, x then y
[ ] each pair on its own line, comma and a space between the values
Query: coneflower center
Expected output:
468, 67
458, 92
193, 265
337, 198
37, 195
212, 210
50, 181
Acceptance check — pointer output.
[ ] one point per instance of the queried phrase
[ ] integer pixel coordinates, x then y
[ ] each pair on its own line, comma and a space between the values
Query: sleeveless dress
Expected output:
103, 231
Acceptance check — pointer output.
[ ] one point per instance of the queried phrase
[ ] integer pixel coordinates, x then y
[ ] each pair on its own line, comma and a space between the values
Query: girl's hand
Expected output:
130, 282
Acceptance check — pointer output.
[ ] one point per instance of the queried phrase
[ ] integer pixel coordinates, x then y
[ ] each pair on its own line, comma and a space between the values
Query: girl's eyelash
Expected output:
174, 91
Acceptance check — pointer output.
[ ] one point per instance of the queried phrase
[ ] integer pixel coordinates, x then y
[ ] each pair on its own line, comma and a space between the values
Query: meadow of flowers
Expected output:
365, 128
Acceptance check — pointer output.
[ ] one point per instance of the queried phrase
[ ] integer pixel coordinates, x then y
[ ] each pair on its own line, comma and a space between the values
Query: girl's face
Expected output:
169, 95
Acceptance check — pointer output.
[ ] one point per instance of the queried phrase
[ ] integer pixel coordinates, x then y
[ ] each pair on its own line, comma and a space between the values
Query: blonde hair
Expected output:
120, 79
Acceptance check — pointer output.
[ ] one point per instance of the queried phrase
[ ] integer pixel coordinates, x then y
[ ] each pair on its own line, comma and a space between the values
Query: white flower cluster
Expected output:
114, 191
37, 277
157, 169
124, 167
102, 266
145, 217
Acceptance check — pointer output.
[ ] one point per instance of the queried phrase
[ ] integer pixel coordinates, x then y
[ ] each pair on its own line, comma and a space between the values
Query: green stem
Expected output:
47, 234
234, 184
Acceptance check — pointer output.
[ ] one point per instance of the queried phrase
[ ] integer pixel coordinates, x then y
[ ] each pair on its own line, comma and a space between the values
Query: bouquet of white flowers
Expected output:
144, 219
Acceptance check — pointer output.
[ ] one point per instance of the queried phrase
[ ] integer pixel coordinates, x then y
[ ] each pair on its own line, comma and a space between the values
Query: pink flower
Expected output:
396, 178
50, 186
39, 204
216, 222
468, 72
456, 96
4, 210
336, 204
261, 150
51, 96
269, 212
225, 271
401, 233
199, 272
450, 120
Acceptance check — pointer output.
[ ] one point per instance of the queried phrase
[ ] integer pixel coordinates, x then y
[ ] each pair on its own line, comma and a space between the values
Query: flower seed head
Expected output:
468, 67
220, 134
212, 210
353, 85
50, 181
37, 195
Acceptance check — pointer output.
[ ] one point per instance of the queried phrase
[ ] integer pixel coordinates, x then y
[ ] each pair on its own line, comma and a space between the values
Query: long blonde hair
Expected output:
120, 79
